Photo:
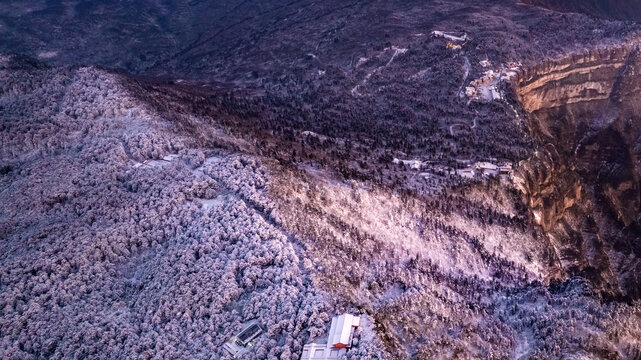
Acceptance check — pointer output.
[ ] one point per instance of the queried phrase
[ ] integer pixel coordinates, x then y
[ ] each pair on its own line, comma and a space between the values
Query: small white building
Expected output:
508, 75
342, 329
315, 351
238, 345
495, 93
487, 169
466, 173
414, 164
470, 91
506, 168
339, 339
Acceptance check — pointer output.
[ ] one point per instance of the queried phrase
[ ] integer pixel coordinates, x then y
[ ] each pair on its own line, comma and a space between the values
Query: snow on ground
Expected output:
393, 292
523, 347
313, 134
47, 54
474, 125
395, 52
450, 36
208, 161
414, 164
361, 61
155, 163
366, 327
453, 126
466, 70
392, 225
420, 74
215, 202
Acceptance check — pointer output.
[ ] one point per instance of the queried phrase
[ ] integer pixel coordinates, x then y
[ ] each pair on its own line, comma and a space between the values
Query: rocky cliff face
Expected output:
584, 183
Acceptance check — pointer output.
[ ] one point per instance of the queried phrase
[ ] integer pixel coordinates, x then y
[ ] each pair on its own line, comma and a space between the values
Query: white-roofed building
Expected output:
243, 342
495, 93
315, 351
470, 91
341, 333
487, 169
506, 168
467, 173
342, 330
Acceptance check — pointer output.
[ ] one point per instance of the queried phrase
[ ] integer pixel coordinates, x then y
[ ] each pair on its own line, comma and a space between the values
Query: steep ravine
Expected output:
583, 184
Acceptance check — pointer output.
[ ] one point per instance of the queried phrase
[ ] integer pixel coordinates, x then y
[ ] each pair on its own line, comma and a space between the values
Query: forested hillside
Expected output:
124, 236
609, 9
464, 176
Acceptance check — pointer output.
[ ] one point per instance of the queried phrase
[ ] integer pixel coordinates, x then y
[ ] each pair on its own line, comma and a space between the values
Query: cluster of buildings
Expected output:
481, 168
332, 347
485, 169
338, 341
413, 164
486, 88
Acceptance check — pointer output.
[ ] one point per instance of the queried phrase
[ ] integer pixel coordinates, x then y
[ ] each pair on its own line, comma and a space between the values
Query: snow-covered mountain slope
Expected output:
124, 236
461, 174
109, 251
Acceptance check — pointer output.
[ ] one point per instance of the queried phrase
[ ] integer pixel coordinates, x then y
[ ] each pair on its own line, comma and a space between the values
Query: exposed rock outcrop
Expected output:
583, 185
550, 193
